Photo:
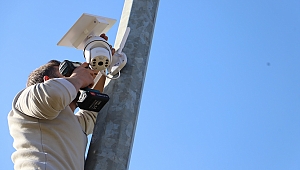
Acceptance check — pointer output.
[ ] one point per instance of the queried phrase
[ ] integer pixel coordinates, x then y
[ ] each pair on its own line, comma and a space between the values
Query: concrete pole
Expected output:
112, 140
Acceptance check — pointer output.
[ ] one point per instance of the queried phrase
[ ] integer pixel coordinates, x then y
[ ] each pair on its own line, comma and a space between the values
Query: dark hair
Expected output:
48, 69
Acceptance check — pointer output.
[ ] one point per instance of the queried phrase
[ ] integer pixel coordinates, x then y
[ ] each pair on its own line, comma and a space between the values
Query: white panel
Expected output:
86, 25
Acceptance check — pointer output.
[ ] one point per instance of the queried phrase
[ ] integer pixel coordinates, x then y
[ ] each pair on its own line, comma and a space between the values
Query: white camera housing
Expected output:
98, 53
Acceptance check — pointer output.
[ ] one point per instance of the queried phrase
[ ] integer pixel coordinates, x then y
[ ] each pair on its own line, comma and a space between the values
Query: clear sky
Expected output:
222, 90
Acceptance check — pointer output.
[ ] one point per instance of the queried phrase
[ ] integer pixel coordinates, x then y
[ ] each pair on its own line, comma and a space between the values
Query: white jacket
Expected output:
47, 134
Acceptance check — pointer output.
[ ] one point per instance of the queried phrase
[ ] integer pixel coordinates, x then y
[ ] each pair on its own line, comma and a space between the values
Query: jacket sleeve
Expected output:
87, 120
46, 100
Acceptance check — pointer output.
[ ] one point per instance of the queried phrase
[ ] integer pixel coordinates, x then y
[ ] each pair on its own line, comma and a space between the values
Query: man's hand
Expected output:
106, 38
82, 76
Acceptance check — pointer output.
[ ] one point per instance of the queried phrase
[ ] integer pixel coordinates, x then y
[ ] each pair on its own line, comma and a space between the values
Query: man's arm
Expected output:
100, 84
46, 100
87, 119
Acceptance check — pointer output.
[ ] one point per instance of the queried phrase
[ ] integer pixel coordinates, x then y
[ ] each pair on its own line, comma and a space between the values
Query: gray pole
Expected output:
113, 136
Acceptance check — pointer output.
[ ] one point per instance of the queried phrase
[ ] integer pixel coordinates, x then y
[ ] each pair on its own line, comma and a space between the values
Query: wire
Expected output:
112, 77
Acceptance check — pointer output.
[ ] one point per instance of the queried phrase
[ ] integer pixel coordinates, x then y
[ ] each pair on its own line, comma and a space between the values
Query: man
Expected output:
47, 134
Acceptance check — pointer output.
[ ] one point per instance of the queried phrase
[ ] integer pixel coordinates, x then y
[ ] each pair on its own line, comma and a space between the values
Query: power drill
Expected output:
89, 99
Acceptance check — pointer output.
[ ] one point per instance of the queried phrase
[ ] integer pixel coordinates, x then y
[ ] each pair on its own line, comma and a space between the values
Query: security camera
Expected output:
85, 35
97, 52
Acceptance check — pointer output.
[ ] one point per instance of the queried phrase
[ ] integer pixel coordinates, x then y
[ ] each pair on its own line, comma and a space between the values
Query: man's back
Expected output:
55, 143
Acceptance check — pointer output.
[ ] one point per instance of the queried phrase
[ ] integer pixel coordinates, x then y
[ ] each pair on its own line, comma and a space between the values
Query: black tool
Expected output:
89, 99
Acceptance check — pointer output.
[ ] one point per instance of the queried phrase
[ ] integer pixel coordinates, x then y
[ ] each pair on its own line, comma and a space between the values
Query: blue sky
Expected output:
222, 85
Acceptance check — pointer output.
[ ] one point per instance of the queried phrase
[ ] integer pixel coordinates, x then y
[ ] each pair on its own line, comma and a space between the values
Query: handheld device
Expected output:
89, 99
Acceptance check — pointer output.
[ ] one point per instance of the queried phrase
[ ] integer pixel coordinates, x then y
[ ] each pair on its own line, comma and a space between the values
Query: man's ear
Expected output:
46, 78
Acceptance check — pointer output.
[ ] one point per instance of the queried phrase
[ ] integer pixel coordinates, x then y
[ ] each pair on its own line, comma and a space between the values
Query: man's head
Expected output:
48, 70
